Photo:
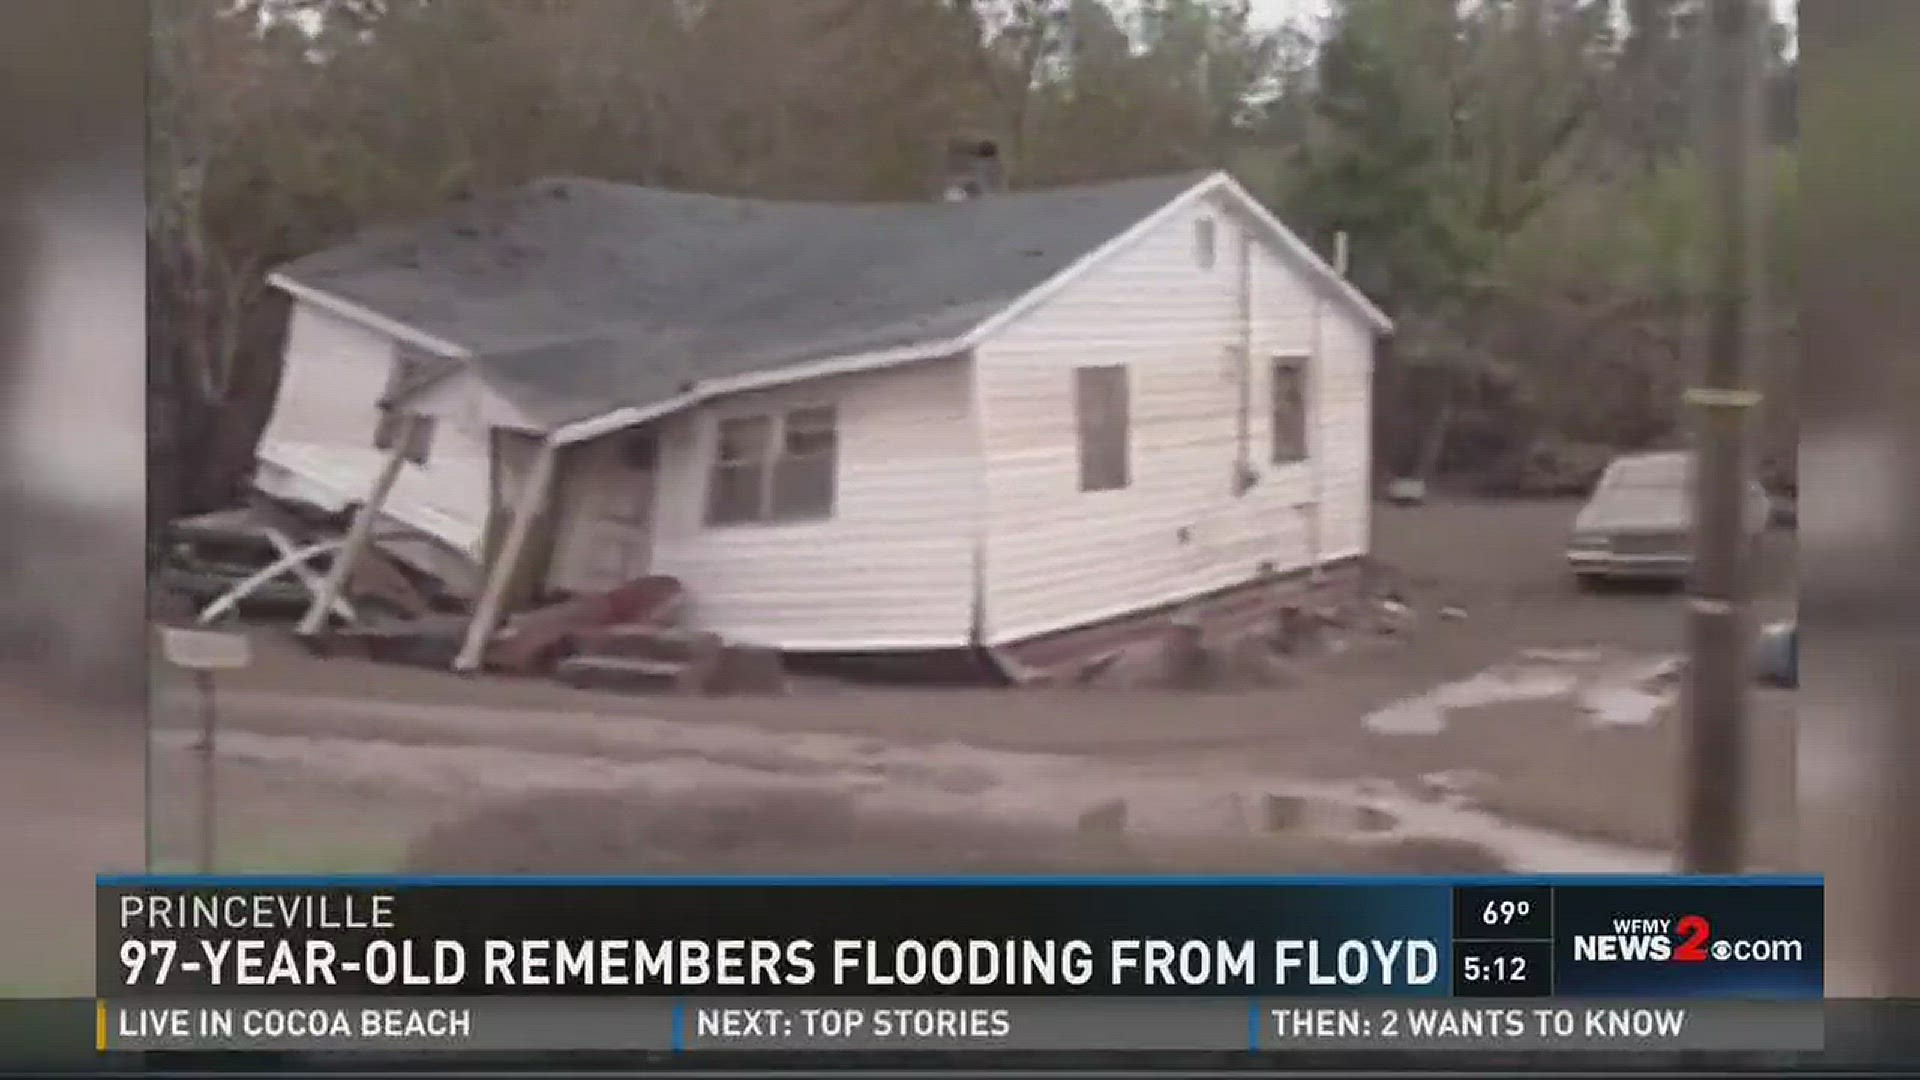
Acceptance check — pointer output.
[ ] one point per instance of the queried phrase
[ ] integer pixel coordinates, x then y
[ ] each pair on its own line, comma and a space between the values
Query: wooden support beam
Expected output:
527, 508
359, 534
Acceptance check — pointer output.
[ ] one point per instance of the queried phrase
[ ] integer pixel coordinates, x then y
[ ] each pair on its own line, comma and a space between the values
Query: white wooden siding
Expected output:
323, 423
1057, 557
462, 400
892, 568
1346, 433
335, 373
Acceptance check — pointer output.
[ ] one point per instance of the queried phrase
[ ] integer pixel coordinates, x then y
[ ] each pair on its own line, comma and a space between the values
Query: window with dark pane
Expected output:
641, 451
1289, 409
775, 468
736, 491
410, 371
803, 478
1204, 243
1101, 413
388, 431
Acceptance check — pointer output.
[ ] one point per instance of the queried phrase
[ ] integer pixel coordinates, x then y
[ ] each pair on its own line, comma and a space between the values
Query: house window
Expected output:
774, 468
640, 452
802, 485
1204, 243
410, 371
1100, 408
1289, 409
386, 434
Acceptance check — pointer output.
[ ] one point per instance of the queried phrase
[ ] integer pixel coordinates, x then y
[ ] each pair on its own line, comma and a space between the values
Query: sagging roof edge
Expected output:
367, 317
627, 416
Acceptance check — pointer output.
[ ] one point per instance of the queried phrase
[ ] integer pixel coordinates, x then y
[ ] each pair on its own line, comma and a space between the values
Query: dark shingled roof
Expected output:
580, 296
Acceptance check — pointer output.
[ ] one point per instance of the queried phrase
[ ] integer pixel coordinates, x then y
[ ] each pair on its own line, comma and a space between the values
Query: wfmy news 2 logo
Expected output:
1685, 939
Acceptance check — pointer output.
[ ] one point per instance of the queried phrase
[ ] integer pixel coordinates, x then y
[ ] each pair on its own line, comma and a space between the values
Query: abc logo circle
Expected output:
1721, 950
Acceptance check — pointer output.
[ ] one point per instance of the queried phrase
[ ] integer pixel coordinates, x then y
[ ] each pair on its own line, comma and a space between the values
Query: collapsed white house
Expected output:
844, 428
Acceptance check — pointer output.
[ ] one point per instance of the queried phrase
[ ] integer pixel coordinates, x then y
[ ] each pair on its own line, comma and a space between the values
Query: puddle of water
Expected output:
1417, 716
1005, 787
1561, 656
1632, 695
1623, 706
1522, 848
1450, 787
1622, 695
1427, 713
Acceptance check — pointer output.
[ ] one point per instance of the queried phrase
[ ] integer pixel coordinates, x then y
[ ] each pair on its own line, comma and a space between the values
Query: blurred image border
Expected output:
1859, 748
72, 477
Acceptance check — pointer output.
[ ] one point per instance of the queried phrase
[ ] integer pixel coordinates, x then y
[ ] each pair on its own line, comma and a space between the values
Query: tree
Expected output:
1513, 178
212, 325
1652, 80
1178, 87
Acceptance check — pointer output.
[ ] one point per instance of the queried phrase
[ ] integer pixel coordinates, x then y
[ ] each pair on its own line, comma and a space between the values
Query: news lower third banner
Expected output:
1046, 964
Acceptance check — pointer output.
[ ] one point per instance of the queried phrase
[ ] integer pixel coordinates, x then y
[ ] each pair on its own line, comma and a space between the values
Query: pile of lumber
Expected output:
266, 558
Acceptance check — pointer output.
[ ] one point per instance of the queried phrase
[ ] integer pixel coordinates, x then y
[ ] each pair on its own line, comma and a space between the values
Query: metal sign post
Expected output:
204, 652
203, 681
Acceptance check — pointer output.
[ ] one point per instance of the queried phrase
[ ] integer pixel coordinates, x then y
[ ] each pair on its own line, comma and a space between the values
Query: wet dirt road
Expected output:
1542, 730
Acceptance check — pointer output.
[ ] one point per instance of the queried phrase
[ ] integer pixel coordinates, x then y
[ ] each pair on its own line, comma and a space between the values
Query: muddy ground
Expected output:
1544, 740
345, 766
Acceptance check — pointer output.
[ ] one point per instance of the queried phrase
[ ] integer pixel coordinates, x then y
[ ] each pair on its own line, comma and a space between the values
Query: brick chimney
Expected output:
971, 169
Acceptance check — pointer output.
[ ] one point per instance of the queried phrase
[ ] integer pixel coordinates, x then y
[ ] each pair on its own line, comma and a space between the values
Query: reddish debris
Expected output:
663, 658
655, 601
532, 641
642, 641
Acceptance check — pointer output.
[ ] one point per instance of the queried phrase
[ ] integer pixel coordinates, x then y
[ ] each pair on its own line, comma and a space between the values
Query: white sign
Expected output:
206, 650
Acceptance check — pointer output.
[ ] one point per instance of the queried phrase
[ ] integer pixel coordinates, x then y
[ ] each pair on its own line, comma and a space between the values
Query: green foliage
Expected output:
1513, 175
1647, 233
1519, 189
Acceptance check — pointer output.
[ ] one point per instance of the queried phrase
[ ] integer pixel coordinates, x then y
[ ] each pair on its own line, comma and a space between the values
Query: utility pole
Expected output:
1713, 832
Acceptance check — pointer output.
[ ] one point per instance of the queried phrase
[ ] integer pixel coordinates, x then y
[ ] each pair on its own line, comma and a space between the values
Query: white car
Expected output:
1638, 523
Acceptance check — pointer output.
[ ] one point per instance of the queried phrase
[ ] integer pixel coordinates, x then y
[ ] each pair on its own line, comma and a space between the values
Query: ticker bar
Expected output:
956, 1024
